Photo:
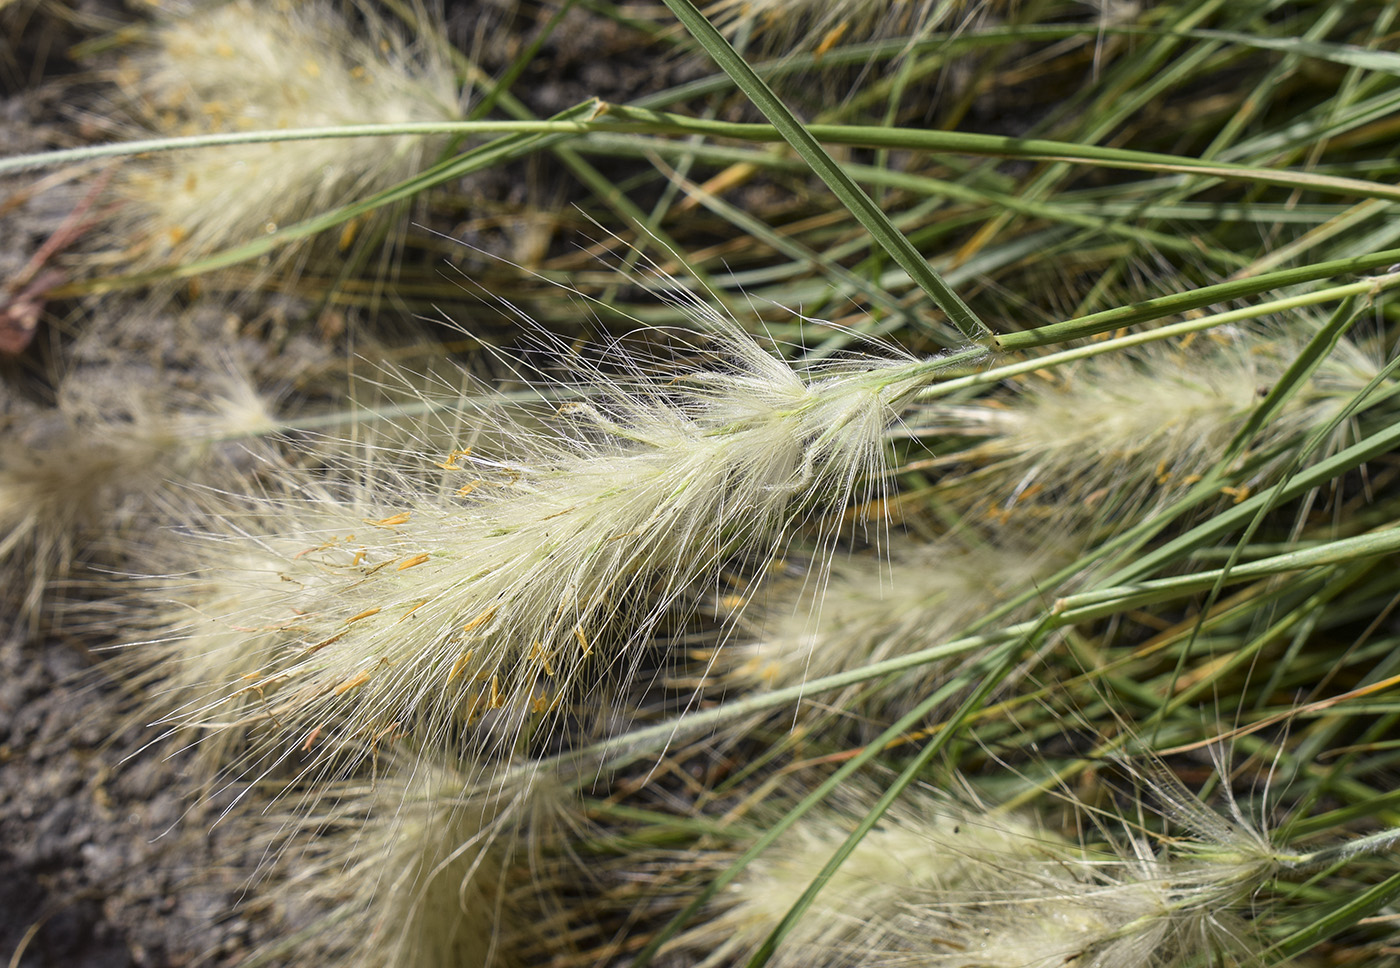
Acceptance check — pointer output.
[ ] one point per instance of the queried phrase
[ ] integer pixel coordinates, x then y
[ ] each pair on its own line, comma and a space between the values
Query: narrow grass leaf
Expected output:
826, 168
1338, 919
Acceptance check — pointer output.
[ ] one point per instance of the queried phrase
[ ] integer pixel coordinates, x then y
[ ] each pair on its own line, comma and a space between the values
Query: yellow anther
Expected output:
325, 642
359, 679
832, 38
460, 664
537, 653
480, 620
451, 463
733, 603
347, 234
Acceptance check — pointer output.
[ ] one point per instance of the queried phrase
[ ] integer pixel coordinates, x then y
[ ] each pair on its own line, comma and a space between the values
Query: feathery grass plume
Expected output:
244, 66
924, 844
1128, 902
519, 583
224, 572
201, 647
1113, 434
947, 885
866, 608
414, 870
76, 479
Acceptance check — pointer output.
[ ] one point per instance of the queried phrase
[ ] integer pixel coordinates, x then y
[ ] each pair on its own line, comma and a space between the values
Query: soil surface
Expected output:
103, 862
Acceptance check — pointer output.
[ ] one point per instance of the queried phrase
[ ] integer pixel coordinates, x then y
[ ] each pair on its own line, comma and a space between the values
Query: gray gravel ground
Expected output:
102, 860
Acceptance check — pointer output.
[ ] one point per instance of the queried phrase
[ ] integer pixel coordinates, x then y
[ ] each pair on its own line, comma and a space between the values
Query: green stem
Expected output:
1374, 843
636, 120
1171, 331
1110, 601
1182, 302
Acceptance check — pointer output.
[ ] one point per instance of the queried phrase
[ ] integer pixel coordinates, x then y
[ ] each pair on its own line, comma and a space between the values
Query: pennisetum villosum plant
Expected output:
416, 642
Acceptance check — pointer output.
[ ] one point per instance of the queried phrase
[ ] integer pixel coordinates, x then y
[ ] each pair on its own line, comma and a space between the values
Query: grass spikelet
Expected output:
1117, 432
524, 582
244, 66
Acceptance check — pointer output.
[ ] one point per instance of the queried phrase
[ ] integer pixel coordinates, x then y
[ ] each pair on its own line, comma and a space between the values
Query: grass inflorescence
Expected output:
961, 534
244, 67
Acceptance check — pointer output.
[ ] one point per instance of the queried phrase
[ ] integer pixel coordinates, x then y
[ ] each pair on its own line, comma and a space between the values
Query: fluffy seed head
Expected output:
947, 886
1131, 904
76, 479
926, 844
869, 608
244, 66
1113, 433
531, 578
412, 871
